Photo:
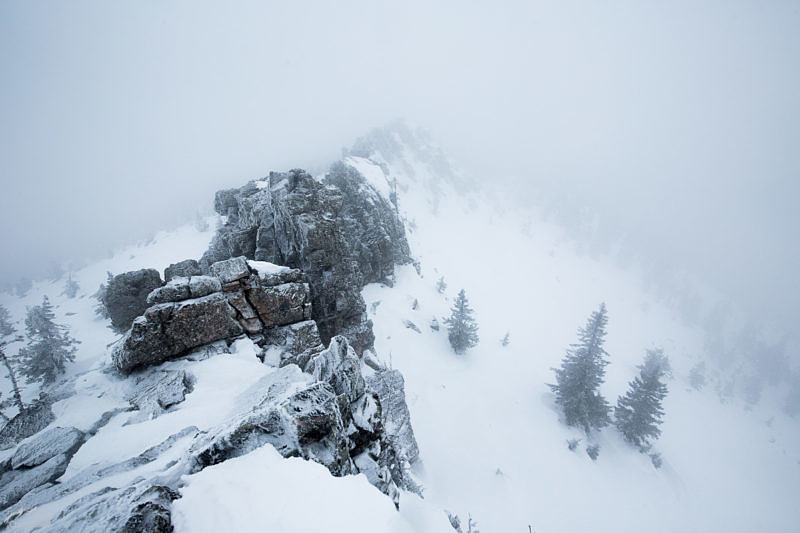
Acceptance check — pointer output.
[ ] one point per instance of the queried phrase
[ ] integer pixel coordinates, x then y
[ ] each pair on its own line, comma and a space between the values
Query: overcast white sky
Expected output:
675, 123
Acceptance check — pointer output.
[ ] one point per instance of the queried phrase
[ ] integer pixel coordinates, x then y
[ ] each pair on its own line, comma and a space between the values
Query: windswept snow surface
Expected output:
262, 491
490, 438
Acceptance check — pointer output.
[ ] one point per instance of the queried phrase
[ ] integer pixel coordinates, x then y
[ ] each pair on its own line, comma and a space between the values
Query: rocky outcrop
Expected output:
125, 296
339, 231
170, 329
46, 445
328, 413
187, 313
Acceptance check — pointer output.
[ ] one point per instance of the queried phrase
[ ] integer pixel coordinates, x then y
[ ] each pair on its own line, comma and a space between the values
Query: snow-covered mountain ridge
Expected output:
490, 441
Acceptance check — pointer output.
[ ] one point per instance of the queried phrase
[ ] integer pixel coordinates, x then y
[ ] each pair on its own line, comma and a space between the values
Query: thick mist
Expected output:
665, 134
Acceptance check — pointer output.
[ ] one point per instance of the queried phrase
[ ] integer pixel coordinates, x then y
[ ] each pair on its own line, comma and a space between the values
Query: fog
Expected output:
665, 134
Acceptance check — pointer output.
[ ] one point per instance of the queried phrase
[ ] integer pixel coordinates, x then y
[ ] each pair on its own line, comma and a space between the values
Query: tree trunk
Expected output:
17, 395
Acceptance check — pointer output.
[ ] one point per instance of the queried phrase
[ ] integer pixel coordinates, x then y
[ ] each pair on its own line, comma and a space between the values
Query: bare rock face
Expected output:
126, 296
341, 232
292, 344
187, 313
171, 329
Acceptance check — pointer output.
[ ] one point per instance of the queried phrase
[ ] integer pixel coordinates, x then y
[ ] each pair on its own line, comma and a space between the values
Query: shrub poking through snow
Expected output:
462, 328
593, 451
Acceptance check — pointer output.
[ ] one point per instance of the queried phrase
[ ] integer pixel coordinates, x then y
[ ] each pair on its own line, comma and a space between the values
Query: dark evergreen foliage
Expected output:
593, 451
49, 345
462, 328
581, 374
638, 413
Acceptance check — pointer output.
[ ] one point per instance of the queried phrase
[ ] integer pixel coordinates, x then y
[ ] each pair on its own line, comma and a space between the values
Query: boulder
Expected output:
125, 296
200, 286
185, 269
14, 484
169, 330
231, 269
156, 391
47, 444
176, 290
282, 304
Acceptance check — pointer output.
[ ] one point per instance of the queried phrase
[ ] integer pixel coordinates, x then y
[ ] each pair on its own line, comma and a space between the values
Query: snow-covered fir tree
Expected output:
71, 287
462, 328
577, 387
49, 345
638, 413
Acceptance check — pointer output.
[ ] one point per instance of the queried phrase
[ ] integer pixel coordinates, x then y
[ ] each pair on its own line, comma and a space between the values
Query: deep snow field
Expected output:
491, 442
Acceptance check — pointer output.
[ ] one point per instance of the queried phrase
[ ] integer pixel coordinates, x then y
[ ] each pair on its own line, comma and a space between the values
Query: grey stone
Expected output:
389, 386
125, 296
169, 330
200, 286
16, 483
231, 269
47, 444
282, 304
176, 290
296, 415
341, 233
159, 390
185, 269
295, 343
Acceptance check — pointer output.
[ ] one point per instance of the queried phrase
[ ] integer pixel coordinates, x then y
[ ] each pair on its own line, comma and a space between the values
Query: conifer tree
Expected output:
71, 287
462, 328
638, 413
581, 374
49, 345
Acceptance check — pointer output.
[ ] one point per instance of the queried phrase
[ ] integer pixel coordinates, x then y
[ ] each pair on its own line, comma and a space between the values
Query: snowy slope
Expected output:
491, 442
490, 437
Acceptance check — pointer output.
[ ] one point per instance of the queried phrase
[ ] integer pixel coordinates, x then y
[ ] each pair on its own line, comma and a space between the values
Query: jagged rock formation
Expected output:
191, 312
338, 406
339, 231
125, 296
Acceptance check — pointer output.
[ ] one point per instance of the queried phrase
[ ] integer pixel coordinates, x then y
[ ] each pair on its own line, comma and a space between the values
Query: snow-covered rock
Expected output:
46, 445
185, 269
340, 232
14, 484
